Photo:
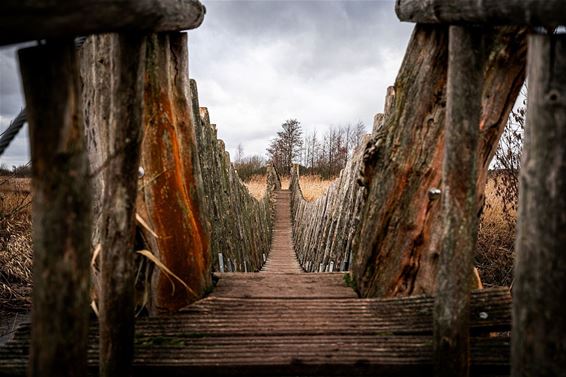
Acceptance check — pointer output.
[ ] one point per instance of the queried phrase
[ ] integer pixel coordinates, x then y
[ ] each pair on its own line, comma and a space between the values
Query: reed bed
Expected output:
15, 245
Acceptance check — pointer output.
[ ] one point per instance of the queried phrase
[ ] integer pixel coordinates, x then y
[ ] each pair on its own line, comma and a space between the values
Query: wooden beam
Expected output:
459, 204
117, 304
61, 210
539, 328
495, 12
41, 19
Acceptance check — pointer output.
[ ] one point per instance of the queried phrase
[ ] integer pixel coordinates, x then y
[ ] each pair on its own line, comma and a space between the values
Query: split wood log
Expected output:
539, 329
459, 202
398, 244
323, 230
172, 194
493, 12
117, 294
41, 19
61, 210
240, 224
112, 94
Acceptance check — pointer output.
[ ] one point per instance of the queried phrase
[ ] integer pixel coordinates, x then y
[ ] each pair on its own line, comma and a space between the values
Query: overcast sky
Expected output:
259, 63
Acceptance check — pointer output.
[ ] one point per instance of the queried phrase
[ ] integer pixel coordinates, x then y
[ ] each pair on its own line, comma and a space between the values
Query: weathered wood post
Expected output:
539, 326
173, 186
125, 127
60, 211
459, 204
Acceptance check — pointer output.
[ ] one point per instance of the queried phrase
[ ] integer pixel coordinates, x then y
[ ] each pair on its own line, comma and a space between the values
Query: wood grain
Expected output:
492, 12
61, 207
42, 19
539, 346
459, 201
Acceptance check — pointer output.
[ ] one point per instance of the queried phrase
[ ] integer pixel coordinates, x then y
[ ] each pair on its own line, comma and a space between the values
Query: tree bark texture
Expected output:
40, 19
539, 326
60, 211
459, 206
112, 89
172, 191
240, 224
492, 12
398, 244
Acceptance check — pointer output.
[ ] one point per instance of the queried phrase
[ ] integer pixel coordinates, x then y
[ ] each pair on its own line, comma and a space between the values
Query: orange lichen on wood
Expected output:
172, 177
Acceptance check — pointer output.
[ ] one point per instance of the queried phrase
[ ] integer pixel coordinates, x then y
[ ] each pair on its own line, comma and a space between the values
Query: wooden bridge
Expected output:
102, 107
284, 322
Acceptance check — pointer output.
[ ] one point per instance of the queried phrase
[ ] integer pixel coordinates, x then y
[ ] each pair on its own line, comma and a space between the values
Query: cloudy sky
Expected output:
259, 63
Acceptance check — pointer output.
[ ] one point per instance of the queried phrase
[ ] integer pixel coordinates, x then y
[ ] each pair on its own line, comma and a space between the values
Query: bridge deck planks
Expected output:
283, 322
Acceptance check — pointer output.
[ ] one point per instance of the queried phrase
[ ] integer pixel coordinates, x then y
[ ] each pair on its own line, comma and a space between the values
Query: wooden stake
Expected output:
459, 177
61, 210
117, 304
539, 325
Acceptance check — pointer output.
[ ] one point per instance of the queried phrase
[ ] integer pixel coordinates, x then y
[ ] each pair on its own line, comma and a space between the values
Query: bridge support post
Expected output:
61, 210
459, 203
124, 130
539, 329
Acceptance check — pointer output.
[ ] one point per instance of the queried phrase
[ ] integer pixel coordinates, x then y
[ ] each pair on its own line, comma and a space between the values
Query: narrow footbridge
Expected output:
285, 322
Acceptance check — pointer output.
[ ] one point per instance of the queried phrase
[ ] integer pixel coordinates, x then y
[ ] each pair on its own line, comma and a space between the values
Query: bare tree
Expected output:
507, 159
239, 153
286, 148
355, 137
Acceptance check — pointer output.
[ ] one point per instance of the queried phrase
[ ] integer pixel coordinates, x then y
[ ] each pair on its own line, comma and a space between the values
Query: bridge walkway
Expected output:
284, 322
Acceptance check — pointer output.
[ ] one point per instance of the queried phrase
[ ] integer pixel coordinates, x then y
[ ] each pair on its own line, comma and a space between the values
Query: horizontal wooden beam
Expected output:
499, 12
24, 20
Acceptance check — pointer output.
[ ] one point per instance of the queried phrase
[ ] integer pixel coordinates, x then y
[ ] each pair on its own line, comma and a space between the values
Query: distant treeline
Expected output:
318, 154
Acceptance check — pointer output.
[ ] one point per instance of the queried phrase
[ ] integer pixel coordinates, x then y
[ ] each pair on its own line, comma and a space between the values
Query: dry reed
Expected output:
15, 245
495, 250
313, 186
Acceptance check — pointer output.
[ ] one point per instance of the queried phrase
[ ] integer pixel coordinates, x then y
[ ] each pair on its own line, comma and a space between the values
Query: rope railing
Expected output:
20, 120
13, 129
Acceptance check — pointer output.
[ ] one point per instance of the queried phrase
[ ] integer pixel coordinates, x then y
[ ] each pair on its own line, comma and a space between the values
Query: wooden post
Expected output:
459, 177
173, 185
539, 328
125, 127
61, 210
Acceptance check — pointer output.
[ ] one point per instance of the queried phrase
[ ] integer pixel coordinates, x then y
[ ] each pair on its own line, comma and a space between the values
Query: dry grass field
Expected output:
496, 238
15, 244
313, 186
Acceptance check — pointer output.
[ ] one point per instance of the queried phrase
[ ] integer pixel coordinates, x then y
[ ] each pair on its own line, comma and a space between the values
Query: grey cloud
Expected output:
259, 63
10, 92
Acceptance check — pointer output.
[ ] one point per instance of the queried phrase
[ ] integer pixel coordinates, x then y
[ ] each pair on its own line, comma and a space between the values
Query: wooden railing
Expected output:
324, 229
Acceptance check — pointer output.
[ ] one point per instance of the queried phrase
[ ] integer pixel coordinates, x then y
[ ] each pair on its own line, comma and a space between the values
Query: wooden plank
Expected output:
264, 285
282, 257
292, 355
125, 132
219, 317
494, 12
539, 331
61, 208
459, 201
41, 19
